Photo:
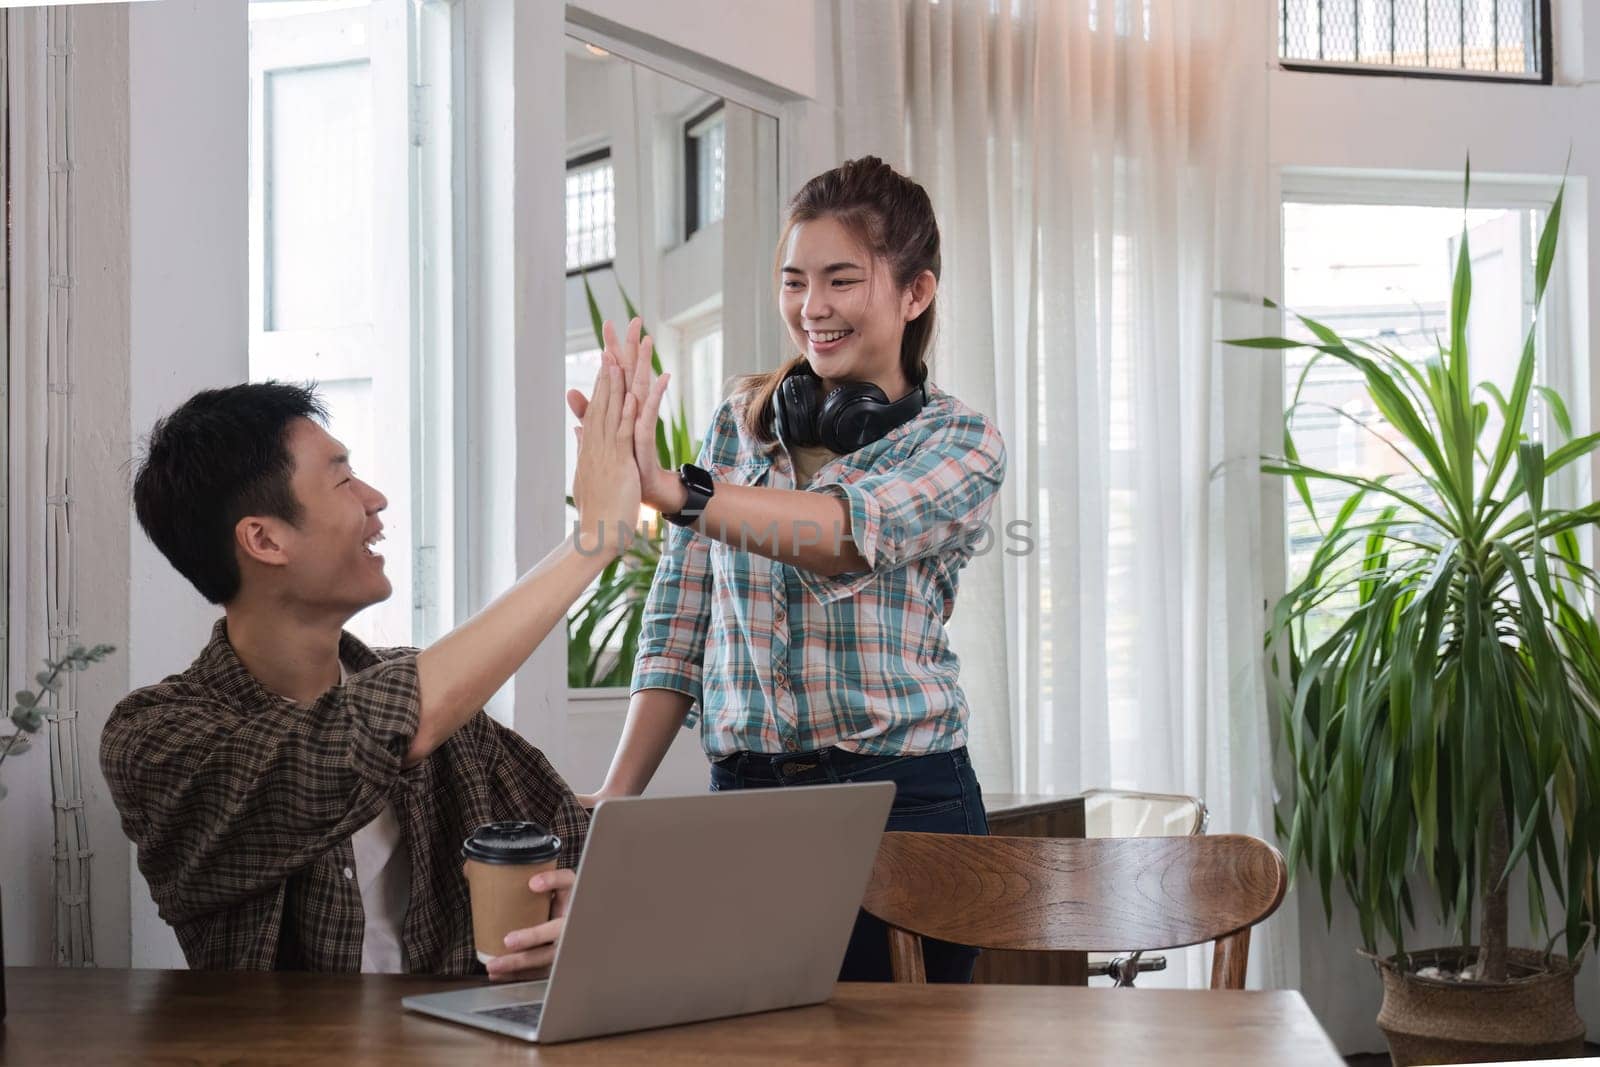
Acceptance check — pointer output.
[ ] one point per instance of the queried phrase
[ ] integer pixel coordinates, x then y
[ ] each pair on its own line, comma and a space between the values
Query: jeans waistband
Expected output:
782, 765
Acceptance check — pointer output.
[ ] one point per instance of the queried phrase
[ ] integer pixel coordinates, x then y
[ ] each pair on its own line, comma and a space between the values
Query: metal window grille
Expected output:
1494, 40
591, 212
705, 168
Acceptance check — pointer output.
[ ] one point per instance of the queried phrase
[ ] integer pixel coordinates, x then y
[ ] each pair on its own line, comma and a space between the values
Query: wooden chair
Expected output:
1055, 895
1137, 813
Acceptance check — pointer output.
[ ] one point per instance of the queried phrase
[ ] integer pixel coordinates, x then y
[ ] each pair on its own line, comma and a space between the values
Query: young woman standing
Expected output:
799, 608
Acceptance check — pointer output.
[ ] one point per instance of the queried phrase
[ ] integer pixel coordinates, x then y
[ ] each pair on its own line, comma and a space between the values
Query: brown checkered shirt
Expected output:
242, 805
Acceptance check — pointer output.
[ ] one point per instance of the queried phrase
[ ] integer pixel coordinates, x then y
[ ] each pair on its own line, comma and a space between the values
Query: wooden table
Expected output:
1034, 815
112, 1016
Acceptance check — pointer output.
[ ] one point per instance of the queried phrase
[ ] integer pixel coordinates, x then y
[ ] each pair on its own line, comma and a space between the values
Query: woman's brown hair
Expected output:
892, 217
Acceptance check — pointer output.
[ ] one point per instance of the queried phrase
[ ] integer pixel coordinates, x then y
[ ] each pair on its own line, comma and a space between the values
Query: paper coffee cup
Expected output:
500, 858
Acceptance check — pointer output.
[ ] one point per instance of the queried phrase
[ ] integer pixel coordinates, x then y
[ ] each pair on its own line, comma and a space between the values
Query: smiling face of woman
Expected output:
843, 308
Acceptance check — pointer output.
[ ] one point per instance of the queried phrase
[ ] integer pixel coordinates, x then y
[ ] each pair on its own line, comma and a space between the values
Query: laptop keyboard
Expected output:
526, 1014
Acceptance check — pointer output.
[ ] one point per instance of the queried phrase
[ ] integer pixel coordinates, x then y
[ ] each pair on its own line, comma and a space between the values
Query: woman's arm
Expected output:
803, 529
654, 718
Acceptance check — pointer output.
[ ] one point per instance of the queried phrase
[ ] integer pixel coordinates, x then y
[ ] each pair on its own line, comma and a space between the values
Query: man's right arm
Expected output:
459, 673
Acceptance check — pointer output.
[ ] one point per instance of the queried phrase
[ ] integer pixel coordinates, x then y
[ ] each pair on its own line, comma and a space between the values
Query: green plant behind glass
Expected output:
611, 615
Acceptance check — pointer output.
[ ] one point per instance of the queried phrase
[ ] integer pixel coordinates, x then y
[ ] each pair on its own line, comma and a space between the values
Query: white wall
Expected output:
97, 448
160, 122
769, 39
1342, 121
188, 98
539, 188
101, 336
592, 732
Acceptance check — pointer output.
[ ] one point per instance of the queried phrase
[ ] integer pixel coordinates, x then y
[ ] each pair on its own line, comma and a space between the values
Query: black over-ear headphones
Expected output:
851, 416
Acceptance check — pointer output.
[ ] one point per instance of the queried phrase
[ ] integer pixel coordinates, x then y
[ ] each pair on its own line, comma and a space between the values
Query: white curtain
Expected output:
1099, 170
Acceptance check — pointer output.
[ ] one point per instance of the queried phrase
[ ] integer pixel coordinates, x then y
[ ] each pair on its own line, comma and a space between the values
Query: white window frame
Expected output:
694, 126
413, 49
700, 397
438, 220
1562, 316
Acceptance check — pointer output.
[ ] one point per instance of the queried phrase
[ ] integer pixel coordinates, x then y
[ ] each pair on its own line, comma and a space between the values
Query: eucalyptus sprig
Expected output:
27, 712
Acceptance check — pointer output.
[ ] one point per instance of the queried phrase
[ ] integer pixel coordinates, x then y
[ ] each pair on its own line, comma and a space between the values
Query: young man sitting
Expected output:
299, 800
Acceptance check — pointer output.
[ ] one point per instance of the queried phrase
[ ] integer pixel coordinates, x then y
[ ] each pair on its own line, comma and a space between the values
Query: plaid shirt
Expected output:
242, 805
780, 659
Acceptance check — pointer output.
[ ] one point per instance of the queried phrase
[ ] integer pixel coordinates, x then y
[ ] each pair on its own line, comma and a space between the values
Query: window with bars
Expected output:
591, 211
1474, 39
705, 168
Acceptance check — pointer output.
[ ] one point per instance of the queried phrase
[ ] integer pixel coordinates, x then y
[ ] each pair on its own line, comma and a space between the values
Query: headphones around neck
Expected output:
851, 416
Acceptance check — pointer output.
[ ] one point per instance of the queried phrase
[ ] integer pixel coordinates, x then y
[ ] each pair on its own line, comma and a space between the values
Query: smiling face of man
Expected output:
325, 559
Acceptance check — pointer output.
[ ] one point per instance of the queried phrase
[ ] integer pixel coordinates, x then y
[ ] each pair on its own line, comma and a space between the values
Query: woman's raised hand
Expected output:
659, 488
605, 487
626, 355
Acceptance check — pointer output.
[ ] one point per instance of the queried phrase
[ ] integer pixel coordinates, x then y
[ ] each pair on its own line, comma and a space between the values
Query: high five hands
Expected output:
633, 394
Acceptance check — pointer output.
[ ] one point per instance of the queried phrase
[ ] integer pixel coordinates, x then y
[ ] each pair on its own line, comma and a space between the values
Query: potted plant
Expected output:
27, 717
603, 630
1442, 724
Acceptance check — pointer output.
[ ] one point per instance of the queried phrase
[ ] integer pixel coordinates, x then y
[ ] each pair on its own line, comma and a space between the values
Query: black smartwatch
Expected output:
697, 481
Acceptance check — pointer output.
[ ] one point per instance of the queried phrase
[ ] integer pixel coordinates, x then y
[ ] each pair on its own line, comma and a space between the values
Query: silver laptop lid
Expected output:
700, 907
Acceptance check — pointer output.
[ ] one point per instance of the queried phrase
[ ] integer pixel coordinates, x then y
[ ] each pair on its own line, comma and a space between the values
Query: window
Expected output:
1382, 271
705, 168
350, 262
1484, 39
1122, 16
700, 341
591, 212
583, 363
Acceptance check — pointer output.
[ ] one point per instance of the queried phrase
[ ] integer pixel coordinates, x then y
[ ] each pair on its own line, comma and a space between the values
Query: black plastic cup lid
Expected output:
511, 842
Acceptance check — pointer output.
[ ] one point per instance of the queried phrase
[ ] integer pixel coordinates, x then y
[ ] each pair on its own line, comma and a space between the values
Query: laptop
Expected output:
696, 907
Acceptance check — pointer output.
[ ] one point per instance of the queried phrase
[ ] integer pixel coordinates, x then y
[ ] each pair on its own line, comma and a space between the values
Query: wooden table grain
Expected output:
169, 1017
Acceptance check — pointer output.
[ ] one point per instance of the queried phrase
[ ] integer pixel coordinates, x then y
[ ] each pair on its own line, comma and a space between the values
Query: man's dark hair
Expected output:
221, 456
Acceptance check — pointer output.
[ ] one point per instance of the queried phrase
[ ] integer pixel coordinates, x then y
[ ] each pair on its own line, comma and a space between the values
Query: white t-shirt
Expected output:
383, 873
383, 870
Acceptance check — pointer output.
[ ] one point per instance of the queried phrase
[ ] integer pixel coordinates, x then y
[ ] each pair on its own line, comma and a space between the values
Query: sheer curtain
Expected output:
1099, 169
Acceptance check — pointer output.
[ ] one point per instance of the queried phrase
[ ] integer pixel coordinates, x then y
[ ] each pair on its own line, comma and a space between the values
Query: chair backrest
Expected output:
1059, 894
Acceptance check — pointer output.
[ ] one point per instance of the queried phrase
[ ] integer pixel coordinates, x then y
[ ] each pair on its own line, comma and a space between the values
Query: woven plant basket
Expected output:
1431, 1020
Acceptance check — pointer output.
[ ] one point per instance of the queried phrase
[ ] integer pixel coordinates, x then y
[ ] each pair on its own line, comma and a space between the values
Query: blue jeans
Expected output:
936, 793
